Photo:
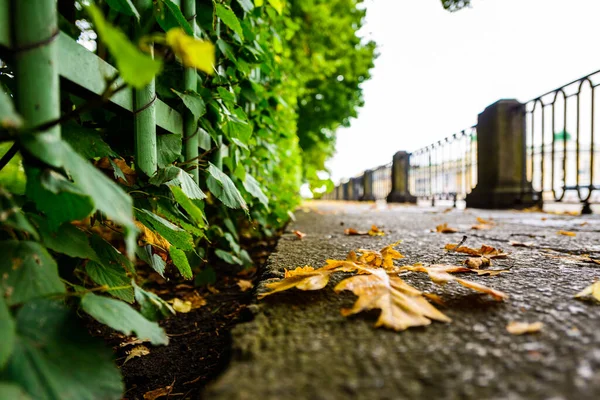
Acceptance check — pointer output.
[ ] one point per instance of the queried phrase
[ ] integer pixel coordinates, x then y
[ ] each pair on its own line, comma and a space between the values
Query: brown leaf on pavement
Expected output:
485, 221
401, 305
375, 231
245, 284
490, 272
299, 235
441, 278
303, 278
354, 232
444, 228
567, 233
520, 328
484, 250
521, 244
592, 291
477, 262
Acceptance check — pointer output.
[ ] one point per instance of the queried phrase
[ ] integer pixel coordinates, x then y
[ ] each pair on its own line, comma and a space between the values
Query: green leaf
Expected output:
253, 187
153, 307
9, 118
169, 149
12, 216
172, 233
174, 176
226, 96
124, 7
108, 255
224, 189
57, 197
27, 272
229, 19
259, 3
56, 359
153, 260
121, 317
246, 5
87, 142
169, 15
169, 212
9, 391
181, 262
204, 139
226, 50
277, 5
193, 101
188, 205
112, 276
108, 197
67, 239
228, 257
7, 333
136, 68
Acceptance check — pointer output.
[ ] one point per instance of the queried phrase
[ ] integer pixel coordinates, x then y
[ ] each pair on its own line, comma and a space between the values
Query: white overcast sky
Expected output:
437, 70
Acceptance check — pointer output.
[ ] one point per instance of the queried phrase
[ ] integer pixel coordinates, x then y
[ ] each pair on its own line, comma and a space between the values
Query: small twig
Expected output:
464, 239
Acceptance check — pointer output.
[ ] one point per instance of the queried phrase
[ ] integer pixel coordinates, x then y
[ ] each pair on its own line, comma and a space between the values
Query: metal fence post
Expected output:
37, 92
146, 155
501, 159
368, 186
400, 169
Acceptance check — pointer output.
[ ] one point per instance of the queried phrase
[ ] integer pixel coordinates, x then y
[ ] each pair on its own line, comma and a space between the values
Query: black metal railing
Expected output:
562, 144
382, 181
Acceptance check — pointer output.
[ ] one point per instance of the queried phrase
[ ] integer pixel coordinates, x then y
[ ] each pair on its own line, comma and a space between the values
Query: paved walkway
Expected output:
300, 347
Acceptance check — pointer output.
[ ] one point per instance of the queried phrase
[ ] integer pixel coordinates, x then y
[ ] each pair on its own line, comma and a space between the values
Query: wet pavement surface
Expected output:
299, 346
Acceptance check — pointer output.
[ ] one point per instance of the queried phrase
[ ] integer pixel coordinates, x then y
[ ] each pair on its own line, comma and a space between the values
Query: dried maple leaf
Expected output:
484, 250
137, 351
401, 305
567, 233
303, 278
593, 290
245, 284
383, 258
375, 231
477, 262
485, 221
444, 228
435, 298
520, 328
354, 232
299, 235
441, 278
521, 244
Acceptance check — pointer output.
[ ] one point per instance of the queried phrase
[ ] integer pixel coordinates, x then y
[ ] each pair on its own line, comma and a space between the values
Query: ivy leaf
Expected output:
124, 7
172, 233
188, 205
224, 189
181, 262
193, 53
169, 16
174, 176
193, 101
121, 317
228, 17
253, 187
136, 68
67, 239
246, 5
277, 5
27, 272
7, 333
56, 197
87, 142
112, 276
169, 149
55, 356
9, 118
153, 307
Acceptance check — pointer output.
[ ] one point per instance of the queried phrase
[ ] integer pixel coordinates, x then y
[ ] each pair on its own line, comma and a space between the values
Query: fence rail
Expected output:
519, 154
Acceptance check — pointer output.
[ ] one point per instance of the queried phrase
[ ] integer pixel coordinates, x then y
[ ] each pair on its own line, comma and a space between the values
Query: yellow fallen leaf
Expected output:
477, 262
481, 227
593, 290
303, 278
435, 298
567, 233
520, 328
193, 53
484, 250
245, 284
444, 228
299, 235
401, 305
152, 238
441, 278
354, 232
182, 306
375, 231
137, 351
485, 221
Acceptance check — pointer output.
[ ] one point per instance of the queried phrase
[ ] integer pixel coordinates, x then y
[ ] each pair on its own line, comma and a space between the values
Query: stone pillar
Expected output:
339, 192
400, 168
501, 159
346, 190
351, 195
367, 179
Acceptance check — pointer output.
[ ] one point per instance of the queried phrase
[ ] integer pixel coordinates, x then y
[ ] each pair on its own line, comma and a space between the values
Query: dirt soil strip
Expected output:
298, 346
